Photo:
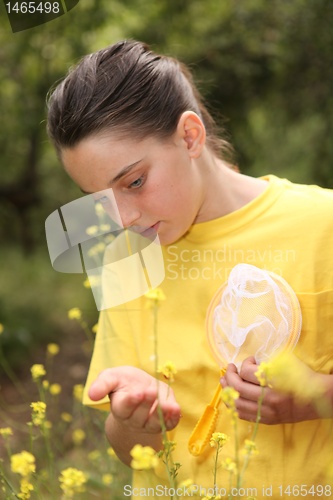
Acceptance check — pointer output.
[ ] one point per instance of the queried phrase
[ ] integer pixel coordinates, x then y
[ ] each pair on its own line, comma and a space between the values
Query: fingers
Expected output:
106, 382
242, 383
248, 370
138, 400
246, 384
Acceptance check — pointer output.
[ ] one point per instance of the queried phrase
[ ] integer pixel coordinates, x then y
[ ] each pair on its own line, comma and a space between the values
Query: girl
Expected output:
128, 119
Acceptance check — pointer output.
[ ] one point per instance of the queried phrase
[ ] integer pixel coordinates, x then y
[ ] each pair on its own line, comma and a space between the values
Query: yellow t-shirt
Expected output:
288, 229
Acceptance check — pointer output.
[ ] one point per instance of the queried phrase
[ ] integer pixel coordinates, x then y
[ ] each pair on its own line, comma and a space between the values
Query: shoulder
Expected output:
309, 201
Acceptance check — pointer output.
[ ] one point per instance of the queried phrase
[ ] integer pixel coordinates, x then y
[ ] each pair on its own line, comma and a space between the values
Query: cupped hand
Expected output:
277, 407
138, 400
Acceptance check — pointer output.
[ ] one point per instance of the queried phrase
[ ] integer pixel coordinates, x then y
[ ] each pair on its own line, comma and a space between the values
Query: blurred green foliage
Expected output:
265, 69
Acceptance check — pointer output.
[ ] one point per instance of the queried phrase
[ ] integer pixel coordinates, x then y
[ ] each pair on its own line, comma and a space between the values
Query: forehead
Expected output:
104, 156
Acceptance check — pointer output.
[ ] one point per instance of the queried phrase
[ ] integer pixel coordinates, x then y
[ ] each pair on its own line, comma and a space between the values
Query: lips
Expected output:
147, 232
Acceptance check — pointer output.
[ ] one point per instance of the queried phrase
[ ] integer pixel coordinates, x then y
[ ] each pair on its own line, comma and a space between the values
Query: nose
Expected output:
129, 214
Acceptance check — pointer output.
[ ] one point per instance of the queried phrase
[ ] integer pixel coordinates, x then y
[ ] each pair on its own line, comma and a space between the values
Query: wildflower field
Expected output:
51, 446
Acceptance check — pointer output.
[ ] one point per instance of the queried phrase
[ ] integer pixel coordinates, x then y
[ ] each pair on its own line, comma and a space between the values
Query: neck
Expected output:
224, 189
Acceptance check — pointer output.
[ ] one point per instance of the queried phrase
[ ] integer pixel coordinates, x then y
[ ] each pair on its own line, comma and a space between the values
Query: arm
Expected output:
277, 407
134, 416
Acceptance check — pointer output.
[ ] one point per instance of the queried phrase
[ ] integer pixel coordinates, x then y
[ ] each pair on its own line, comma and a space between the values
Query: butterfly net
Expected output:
256, 313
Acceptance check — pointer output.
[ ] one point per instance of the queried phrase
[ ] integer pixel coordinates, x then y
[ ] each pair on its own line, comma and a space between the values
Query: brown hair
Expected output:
126, 88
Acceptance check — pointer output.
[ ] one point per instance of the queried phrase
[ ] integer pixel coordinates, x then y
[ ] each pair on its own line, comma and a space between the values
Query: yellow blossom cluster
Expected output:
6, 432
23, 463
74, 313
143, 457
72, 481
250, 447
55, 389
78, 436
107, 479
78, 392
218, 439
38, 412
229, 396
290, 375
168, 370
37, 371
66, 417
229, 465
264, 374
155, 295
25, 489
52, 349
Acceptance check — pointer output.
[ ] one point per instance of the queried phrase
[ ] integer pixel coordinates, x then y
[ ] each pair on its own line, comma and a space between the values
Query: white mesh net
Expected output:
255, 314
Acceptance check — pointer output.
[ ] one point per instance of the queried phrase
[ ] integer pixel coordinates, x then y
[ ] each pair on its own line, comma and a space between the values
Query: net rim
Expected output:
296, 316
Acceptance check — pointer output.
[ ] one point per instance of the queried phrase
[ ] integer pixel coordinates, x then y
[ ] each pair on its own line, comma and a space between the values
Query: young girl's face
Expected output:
156, 183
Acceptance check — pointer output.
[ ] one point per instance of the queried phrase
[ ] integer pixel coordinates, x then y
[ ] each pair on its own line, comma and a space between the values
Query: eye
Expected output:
137, 183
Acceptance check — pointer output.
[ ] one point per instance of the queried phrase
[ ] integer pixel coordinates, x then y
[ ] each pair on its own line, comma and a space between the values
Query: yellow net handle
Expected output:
206, 424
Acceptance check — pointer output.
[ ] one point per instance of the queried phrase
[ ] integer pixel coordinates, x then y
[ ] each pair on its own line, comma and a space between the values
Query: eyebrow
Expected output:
124, 171
121, 174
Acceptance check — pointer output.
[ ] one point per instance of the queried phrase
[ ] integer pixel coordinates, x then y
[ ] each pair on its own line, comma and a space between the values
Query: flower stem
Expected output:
169, 463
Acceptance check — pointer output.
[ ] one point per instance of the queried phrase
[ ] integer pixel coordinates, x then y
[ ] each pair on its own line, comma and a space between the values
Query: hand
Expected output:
135, 396
277, 407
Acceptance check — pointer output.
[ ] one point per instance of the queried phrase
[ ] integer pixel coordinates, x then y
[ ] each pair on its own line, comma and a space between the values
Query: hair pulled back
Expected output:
128, 89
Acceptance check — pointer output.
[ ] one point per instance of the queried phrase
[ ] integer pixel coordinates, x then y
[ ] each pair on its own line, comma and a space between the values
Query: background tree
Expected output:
265, 69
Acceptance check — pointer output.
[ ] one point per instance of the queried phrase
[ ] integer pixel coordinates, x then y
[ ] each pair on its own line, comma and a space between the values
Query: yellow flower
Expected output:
74, 313
1, 328
53, 349
264, 374
229, 464
55, 389
92, 230
92, 281
144, 457
96, 249
95, 328
25, 489
168, 370
78, 436
105, 228
229, 396
38, 412
66, 417
99, 210
23, 463
94, 455
155, 295
6, 432
218, 439
86, 283
187, 486
78, 392
37, 371
250, 447
291, 376
72, 481
107, 479
110, 451
46, 384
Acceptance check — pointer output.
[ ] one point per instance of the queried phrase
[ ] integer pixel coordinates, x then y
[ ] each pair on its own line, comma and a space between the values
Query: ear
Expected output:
191, 129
